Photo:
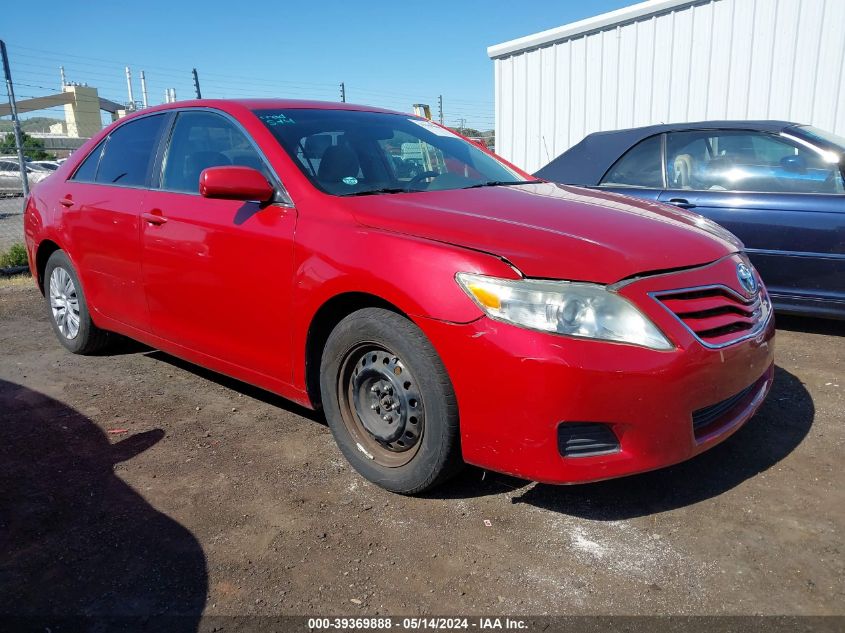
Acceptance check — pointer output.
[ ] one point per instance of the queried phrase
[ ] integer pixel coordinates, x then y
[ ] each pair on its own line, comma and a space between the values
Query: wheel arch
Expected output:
325, 319
45, 248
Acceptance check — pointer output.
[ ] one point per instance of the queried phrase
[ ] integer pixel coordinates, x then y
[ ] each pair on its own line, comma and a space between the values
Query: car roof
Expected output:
586, 162
266, 104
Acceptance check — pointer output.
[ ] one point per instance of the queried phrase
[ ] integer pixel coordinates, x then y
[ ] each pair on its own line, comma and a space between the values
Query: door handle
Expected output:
681, 203
67, 201
154, 217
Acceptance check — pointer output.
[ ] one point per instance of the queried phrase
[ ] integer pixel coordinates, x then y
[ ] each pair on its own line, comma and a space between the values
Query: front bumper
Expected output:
515, 386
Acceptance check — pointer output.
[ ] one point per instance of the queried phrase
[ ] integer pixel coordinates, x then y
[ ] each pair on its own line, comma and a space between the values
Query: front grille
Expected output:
584, 439
703, 418
716, 315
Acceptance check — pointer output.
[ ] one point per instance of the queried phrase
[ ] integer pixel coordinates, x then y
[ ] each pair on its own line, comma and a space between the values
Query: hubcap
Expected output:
381, 405
64, 303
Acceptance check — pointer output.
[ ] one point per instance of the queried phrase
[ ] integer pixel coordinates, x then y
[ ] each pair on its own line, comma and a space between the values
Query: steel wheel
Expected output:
64, 303
381, 405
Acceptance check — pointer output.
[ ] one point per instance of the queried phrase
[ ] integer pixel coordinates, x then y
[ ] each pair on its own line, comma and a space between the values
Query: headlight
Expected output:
574, 309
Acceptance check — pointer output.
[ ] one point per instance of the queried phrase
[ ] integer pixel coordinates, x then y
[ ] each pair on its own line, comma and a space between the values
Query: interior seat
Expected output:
682, 167
338, 162
195, 162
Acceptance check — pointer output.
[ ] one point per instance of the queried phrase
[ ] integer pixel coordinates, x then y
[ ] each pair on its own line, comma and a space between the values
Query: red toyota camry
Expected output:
439, 304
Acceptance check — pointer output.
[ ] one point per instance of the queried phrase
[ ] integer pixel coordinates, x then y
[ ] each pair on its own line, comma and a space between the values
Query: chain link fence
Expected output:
11, 225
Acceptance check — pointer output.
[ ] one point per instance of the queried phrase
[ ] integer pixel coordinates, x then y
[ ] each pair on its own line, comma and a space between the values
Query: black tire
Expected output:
399, 345
88, 338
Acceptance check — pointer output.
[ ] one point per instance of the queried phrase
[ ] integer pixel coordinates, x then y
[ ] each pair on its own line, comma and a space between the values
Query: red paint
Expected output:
235, 183
153, 262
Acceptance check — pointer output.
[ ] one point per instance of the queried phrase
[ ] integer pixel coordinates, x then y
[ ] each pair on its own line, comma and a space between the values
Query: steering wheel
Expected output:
423, 176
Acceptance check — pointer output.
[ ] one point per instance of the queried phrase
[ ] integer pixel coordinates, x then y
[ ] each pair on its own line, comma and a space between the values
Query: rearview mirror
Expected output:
235, 183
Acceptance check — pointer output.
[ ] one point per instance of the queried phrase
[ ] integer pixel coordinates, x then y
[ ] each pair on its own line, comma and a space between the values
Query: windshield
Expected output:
349, 152
825, 136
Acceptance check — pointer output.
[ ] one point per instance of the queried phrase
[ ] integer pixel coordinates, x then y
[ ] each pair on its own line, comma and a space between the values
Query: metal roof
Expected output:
582, 27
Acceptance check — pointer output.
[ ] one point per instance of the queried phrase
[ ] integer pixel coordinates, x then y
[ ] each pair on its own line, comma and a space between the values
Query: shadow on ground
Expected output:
239, 386
75, 540
829, 327
778, 428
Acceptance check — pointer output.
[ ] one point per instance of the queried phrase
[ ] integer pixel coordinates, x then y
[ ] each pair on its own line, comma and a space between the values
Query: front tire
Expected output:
67, 309
389, 402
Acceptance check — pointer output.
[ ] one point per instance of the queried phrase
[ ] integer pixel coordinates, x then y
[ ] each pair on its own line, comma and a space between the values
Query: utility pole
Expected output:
10, 90
463, 124
196, 84
62, 73
129, 89
144, 90
343, 92
440, 108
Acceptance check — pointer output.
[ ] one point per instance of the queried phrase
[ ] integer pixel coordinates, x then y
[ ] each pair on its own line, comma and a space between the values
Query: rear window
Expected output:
129, 151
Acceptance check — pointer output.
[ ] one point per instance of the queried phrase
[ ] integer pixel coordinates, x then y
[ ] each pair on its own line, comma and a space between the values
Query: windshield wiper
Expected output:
371, 192
501, 183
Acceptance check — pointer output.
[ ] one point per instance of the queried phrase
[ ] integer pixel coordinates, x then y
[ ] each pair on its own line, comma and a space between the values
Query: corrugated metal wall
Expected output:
723, 59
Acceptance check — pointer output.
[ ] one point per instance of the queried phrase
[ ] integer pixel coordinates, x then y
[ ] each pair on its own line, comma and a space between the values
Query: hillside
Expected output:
34, 124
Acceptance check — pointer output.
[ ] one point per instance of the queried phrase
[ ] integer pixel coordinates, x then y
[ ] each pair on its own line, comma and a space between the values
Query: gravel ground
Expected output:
135, 483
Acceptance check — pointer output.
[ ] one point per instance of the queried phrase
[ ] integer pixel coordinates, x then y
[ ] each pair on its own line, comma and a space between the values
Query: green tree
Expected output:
33, 148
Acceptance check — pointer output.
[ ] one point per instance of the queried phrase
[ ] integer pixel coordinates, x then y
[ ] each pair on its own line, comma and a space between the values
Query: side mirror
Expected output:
794, 163
235, 183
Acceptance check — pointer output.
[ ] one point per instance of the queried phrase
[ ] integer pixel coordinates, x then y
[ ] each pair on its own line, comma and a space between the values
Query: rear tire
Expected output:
389, 402
67, 309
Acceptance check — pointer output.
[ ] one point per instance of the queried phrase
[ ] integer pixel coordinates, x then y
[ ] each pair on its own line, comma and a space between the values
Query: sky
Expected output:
388, 54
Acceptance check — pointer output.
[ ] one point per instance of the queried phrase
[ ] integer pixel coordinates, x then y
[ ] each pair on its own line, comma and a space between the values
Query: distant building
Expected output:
667, 61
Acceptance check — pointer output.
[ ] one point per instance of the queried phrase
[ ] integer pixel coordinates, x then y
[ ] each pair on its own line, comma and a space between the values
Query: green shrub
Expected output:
15, 256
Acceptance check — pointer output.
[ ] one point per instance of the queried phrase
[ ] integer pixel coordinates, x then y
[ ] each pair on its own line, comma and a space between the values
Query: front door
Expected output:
782, 199
217, 273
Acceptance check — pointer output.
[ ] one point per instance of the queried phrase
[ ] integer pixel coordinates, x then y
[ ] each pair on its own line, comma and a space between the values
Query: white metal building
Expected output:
666, 61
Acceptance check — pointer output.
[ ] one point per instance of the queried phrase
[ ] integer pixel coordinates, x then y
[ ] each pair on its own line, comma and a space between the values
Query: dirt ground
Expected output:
222, 499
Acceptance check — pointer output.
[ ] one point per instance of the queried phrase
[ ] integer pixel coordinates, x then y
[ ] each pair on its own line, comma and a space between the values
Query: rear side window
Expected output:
129, 151
87, 171
201, 140
640, 166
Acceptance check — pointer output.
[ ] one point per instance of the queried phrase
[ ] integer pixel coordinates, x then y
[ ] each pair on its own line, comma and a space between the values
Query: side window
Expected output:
129, 151
638, 167
747, 161
4, 166
87, 171
201, 140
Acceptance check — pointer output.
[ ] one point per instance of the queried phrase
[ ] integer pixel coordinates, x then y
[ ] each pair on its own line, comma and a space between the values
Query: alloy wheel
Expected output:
64, 303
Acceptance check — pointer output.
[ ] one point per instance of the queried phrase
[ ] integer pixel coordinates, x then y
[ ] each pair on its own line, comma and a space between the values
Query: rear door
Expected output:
217, 273
780, 197
100, 206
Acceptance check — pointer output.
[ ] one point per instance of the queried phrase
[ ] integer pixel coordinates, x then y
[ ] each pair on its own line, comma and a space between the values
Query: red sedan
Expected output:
439, 304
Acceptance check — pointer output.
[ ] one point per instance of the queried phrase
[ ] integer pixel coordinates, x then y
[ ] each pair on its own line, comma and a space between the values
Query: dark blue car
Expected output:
778, 186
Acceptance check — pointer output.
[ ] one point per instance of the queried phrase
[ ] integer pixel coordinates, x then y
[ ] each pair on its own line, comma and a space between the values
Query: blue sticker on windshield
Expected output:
276, 119
350, 180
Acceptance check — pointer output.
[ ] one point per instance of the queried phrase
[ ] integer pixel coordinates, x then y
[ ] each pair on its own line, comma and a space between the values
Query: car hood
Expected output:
554, 231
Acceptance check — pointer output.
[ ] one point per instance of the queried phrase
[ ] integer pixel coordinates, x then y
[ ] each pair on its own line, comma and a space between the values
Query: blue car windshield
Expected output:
823, 135
354, 153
